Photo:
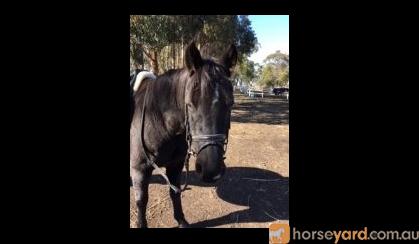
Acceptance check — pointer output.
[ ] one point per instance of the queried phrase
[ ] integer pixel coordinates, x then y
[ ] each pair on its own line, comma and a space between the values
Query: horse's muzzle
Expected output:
220, 175
210, 177
210, 163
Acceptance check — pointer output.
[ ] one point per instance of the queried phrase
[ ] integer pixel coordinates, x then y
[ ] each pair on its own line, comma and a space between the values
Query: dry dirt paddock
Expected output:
254, 190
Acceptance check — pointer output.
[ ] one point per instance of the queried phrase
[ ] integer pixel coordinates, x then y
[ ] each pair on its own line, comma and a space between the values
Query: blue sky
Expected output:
272, 32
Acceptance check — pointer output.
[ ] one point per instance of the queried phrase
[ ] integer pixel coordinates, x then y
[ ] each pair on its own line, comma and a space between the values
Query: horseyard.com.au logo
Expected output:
279, 233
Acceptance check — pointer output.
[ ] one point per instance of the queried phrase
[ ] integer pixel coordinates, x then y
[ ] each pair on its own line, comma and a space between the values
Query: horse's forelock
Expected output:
204, 83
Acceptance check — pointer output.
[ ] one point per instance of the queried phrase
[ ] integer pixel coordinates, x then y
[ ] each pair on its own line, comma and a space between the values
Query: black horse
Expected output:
183, 109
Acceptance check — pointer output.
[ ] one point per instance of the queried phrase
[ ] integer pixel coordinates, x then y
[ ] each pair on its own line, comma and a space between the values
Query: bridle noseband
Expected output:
210, 140
220, 140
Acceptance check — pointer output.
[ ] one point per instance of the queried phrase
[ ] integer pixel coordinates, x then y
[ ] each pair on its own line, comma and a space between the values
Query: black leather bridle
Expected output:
219, 140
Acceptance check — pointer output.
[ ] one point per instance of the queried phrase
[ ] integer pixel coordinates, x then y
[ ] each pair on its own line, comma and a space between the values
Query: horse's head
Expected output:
208, 100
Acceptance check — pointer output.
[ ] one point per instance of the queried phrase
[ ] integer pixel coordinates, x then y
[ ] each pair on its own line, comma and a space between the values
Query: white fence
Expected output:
253, 93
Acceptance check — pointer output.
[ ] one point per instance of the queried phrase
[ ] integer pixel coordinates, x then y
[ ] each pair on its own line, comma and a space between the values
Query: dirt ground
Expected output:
254, 190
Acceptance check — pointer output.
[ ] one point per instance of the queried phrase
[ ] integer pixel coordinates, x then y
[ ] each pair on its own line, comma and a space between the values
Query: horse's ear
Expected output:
193, 59
229, 58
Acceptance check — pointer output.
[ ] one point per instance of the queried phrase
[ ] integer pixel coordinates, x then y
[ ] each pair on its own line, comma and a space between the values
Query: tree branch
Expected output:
145, 52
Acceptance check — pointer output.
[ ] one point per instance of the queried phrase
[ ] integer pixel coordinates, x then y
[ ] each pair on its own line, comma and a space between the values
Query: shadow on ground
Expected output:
268, 110
264, 192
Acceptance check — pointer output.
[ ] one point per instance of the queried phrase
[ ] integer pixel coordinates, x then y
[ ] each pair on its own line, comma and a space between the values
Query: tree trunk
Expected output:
173, 56
155, 63
141, 59
167, 58
177, 56
182, 53
162, 60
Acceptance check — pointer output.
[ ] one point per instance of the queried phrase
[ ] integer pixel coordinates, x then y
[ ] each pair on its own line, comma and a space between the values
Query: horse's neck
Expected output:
177, 85
171, 103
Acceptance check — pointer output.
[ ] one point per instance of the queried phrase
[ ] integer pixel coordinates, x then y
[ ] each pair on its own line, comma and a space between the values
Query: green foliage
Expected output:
277, 58
153, 31
217, 33
150, 34
222, 30
268, 76
245, 71
283, 78
245, 38
276, 70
